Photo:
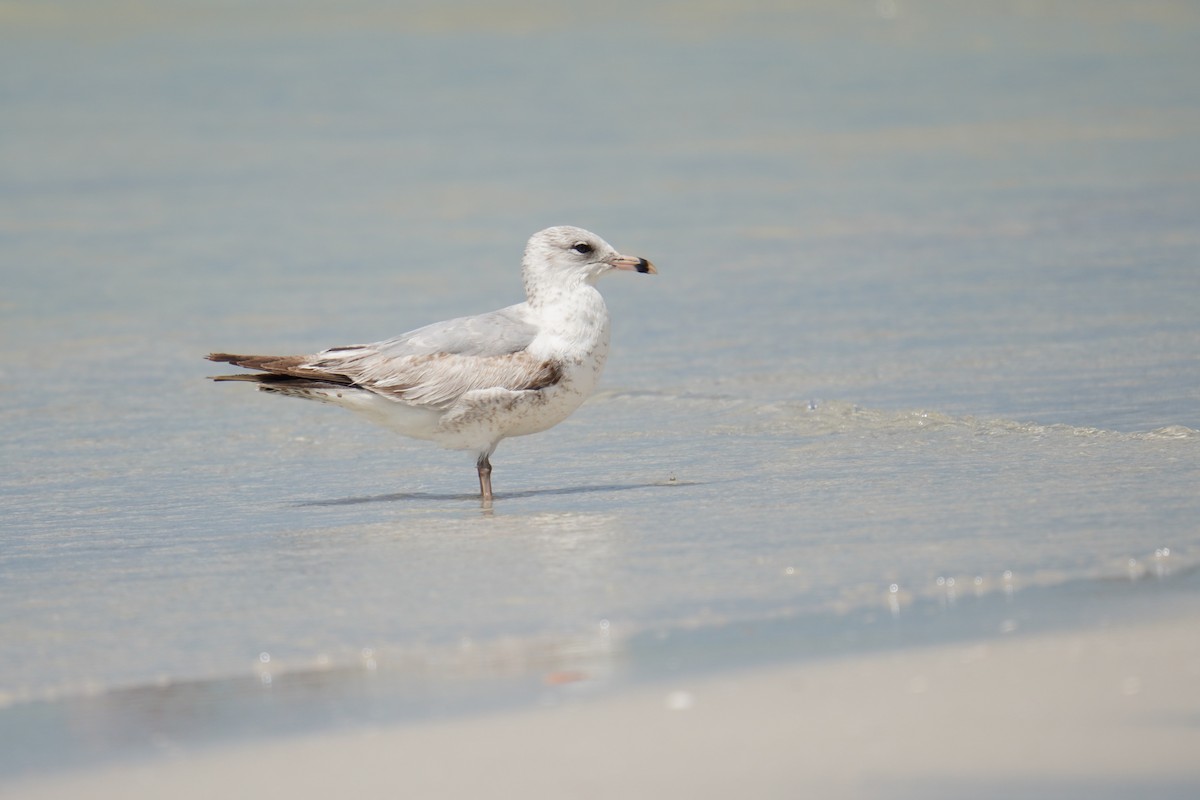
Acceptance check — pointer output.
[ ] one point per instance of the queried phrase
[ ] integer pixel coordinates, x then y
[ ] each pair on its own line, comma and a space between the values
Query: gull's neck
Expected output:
542, 290
571, 313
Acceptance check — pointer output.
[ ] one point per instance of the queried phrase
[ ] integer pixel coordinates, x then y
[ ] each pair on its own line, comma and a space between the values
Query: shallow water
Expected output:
928, 310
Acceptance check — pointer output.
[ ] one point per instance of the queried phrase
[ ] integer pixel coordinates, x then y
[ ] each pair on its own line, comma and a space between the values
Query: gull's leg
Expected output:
485, 477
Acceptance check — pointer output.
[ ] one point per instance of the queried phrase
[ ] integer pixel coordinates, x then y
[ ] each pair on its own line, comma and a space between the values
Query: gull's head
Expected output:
566, 255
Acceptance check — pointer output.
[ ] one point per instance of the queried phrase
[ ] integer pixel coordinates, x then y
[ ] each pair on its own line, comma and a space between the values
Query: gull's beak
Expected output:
633, 263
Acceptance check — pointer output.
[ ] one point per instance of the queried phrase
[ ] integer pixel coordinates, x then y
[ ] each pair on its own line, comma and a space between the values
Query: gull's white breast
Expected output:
574, 337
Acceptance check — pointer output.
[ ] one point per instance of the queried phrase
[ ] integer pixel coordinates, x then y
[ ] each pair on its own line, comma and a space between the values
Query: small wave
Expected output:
840, 417
1170, 432
660, 396
818, 417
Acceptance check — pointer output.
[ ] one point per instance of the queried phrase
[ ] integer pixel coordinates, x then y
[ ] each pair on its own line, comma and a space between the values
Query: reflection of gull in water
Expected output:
467, 383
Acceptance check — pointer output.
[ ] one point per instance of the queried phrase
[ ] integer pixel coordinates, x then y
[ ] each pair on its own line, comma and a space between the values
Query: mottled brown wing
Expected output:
436, 380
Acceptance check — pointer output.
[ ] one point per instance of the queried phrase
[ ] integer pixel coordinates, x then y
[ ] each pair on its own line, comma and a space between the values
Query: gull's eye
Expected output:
582, 247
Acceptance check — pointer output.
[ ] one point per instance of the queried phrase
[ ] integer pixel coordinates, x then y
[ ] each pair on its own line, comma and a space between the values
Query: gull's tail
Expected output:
295, 376
283, 374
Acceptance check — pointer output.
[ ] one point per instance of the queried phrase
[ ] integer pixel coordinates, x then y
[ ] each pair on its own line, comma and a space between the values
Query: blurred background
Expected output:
928, 306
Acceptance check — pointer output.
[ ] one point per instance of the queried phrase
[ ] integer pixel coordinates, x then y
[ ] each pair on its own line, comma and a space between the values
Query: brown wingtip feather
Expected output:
265, 363
286, 366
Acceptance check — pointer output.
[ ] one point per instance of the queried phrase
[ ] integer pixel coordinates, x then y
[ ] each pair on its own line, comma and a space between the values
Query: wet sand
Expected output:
1104, 712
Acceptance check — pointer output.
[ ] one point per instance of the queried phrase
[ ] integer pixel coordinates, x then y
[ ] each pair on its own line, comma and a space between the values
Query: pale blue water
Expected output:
929, 306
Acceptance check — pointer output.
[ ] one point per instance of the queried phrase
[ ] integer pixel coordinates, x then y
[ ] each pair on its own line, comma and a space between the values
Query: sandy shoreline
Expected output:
1100, 712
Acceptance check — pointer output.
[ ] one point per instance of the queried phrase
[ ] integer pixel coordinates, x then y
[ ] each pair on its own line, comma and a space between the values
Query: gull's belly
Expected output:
541, 409
484, 417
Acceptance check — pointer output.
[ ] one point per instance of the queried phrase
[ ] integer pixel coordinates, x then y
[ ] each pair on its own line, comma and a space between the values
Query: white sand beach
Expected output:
1109, 712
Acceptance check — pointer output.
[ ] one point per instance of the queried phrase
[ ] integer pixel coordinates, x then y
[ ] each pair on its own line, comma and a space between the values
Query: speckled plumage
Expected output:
468, 383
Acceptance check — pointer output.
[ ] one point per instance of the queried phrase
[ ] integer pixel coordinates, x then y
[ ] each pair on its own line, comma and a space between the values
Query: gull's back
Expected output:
496, 333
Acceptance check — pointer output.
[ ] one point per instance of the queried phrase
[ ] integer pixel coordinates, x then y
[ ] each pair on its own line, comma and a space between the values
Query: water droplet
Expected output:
264, 657
604, 624
790, 571
894, 599
368, 656
950, 597
1160, 561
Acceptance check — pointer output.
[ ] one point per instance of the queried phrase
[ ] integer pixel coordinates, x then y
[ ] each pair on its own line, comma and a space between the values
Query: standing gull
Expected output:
469, 382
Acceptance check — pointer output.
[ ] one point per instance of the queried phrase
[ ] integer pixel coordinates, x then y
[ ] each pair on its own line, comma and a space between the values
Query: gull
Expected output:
467, 383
